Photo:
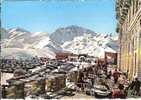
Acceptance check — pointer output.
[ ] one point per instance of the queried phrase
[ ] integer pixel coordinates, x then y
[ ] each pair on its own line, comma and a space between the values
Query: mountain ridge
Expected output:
73, 39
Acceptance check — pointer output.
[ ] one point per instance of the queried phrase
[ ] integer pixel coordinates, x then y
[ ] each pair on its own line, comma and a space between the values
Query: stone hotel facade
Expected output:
128, 14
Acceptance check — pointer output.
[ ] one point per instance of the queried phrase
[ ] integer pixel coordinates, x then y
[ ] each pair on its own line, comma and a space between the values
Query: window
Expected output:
140, 34
129, 16
133, 7
139, 3
140, 23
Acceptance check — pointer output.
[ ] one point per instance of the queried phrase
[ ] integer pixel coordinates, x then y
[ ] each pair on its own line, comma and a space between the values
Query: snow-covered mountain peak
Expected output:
17, 33
13, 30
91, 45
22, 43
39, 34
65, 34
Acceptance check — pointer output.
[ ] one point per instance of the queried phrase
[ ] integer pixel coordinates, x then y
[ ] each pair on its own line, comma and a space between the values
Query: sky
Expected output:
48, 15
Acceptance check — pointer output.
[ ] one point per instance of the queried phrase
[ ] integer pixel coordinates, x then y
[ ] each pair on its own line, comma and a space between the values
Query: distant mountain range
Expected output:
19, 42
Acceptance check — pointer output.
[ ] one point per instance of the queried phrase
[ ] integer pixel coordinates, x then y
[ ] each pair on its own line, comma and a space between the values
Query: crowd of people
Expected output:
114, 80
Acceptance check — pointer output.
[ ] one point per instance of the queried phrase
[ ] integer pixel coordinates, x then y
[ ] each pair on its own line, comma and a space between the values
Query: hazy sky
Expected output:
48, 15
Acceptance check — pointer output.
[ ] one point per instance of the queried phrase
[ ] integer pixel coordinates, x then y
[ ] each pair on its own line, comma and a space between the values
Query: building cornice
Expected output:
122, 7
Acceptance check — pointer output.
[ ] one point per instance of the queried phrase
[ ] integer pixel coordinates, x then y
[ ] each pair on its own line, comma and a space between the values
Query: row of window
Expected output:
135, 5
